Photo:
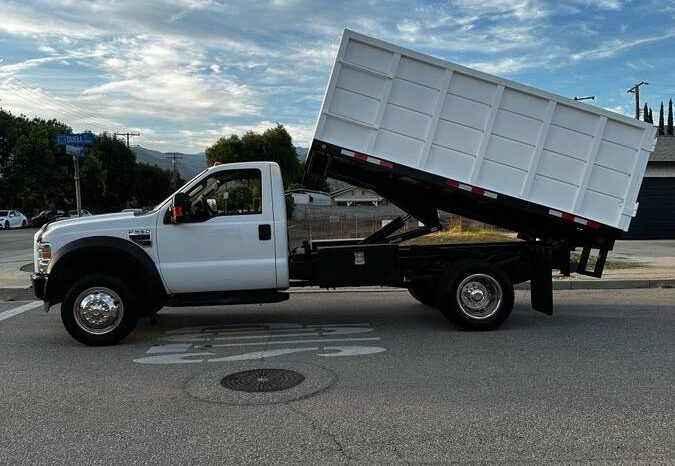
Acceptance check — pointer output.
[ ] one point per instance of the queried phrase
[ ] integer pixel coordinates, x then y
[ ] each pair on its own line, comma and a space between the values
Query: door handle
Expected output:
264, 232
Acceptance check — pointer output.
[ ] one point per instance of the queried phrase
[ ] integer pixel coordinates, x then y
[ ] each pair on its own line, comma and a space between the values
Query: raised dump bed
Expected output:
426, 132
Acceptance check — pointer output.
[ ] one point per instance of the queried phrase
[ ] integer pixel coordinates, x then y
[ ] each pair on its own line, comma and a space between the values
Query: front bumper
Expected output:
39, 281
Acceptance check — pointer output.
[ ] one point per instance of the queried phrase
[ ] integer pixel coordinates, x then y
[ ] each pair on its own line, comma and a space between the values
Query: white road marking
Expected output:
170, 348
18, 310
178, 346
319, 340
262, 334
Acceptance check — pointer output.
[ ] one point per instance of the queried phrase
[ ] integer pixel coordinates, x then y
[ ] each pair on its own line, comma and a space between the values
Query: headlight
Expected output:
44, 256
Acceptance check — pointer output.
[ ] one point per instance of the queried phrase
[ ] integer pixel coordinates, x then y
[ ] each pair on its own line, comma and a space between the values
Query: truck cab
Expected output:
220, 239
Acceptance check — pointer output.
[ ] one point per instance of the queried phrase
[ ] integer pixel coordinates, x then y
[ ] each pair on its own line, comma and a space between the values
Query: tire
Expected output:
424, 293
23, 224
111, 315
476, 296
6, 227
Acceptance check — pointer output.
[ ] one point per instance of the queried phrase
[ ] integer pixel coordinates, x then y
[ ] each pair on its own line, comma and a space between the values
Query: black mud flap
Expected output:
541, 284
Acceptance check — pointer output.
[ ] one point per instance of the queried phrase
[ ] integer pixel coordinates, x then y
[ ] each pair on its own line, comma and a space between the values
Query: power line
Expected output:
38, 102
80, 113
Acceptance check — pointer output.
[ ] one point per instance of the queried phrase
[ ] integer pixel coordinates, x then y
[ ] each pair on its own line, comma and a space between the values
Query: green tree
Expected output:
662, 130
152, 185
33, 173
93, 186
118, 162
274, 144
651, 116
645, 114
669, 128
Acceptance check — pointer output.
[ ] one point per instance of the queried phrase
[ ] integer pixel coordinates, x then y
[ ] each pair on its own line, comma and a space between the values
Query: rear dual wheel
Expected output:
475, 296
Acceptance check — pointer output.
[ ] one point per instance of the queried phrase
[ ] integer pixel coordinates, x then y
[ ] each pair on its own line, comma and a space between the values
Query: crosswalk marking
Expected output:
18, 310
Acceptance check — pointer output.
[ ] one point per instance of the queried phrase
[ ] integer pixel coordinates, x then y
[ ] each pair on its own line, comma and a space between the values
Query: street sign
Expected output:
75, 151
80, 139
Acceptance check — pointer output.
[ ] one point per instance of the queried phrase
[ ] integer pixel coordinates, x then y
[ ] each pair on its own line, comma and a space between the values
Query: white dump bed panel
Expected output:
433, 115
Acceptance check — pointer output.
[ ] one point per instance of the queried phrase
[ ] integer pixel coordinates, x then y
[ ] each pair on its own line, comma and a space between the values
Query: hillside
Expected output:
188, 166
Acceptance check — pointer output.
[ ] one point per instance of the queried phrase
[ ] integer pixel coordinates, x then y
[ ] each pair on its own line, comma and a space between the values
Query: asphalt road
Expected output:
393, 383
18, 239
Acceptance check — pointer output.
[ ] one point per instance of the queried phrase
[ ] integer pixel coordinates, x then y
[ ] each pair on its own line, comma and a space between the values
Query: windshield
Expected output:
3, 213
154, 209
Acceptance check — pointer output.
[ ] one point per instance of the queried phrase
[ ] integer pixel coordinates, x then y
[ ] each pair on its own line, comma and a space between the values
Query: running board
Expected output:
226, 298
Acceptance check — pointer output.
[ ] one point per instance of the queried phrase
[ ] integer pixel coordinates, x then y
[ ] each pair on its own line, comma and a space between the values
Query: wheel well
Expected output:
118, 263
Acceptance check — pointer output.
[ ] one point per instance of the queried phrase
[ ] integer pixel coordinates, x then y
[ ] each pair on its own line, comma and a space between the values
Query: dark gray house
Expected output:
656, 211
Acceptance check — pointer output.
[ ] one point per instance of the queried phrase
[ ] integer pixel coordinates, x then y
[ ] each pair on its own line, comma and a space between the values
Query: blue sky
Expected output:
185, 72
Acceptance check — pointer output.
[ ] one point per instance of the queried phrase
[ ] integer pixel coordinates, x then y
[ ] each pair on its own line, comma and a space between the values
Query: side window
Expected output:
228, 192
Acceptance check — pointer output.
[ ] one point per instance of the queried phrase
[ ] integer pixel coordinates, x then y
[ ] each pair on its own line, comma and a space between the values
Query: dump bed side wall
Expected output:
468, 126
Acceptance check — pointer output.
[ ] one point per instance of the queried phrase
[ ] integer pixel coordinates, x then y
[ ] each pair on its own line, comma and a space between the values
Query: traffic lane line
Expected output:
18, 310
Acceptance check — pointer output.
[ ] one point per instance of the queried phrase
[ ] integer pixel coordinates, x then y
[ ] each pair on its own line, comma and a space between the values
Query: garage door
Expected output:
656, 214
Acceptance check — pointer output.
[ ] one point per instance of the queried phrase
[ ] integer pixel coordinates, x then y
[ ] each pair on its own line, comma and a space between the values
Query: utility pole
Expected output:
636, 90
173, 156
127, 134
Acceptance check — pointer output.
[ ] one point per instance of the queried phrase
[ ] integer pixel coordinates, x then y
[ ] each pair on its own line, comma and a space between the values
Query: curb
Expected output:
625, 284
26, 294
17, 294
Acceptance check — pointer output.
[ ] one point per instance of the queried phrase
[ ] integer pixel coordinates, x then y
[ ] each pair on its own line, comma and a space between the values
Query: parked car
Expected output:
12, 219
83, 213
47, 216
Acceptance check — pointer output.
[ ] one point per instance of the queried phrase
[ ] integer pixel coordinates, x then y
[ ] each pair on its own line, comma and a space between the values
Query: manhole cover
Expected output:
253, 384
262, 380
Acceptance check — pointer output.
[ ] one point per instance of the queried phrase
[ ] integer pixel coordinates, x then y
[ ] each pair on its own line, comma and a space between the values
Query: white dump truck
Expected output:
428, 135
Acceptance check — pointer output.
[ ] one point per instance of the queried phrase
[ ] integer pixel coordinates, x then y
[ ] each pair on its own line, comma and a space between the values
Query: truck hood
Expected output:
117, 224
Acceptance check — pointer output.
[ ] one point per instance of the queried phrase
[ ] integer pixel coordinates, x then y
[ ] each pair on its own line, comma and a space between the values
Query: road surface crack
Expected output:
324, 432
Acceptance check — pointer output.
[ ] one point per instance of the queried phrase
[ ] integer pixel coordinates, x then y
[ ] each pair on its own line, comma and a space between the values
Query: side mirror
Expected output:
180, 208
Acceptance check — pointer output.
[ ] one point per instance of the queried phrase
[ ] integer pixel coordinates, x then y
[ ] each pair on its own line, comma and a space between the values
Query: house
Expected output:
355, 196
656, 211
309, 196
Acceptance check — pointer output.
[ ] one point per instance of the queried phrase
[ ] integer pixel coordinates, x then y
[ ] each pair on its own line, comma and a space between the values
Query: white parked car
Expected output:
12, 219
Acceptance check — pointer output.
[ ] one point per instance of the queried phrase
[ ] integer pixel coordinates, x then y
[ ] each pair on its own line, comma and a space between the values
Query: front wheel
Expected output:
99, 309
6, 225
23, 224
476, 296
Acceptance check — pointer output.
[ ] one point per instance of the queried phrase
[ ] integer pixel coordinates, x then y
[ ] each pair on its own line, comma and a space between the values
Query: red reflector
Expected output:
478, 191
361, 157
591, 224
452, 183
568, 217
177, 212
386, 164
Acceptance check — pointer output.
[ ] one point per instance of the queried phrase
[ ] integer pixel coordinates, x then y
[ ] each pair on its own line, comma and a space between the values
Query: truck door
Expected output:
226, 244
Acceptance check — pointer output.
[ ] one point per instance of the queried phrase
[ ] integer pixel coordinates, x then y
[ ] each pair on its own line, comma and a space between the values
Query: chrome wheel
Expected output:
479, 296
98, 310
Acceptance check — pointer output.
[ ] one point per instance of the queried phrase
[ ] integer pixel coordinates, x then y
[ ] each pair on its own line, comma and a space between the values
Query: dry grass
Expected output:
456, 234
609, 264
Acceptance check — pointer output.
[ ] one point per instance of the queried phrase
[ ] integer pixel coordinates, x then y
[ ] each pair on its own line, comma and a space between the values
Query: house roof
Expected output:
306, 191
342, 191
664, 151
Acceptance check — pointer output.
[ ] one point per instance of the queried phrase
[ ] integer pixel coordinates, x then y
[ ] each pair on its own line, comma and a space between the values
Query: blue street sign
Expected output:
76, 151
82, 139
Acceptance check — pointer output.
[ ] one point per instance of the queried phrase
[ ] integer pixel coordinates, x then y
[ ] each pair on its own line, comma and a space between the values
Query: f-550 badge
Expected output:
141, 237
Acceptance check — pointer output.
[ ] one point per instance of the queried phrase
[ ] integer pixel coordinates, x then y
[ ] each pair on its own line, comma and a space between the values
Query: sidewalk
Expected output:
652, 265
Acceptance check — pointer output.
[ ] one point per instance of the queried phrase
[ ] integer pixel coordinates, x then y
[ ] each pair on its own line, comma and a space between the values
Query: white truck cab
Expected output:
230, 237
